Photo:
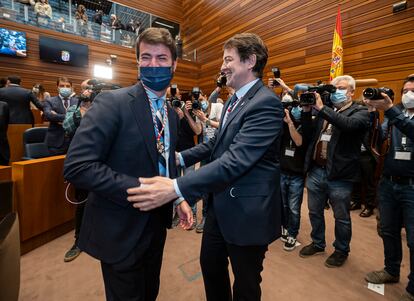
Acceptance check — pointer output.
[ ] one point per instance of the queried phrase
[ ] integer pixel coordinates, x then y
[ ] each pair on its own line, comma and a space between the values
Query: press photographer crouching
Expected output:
396, 187
332, 163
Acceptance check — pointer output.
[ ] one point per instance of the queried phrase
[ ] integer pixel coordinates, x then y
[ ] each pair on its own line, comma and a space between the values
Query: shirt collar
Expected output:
408, 114
243, 90
152, 96
14, 85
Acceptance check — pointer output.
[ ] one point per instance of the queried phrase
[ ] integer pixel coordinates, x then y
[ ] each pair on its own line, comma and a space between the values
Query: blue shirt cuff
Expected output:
182, 163
177, 189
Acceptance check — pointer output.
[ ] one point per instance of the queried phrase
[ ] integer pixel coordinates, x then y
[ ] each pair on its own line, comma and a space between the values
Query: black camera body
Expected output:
175, 101
375, 93
276, 74
196, 105
290, 104
222, 80
309, 99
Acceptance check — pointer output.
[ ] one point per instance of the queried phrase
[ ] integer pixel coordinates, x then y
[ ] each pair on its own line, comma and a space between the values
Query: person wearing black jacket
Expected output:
19, 100
396, 187
4, 143
364, 192
292, 178
332, 163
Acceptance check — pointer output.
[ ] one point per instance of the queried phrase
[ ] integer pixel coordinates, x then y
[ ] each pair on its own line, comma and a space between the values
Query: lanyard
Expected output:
154, 120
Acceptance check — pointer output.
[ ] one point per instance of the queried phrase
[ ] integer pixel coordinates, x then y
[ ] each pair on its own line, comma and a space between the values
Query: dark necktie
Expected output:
66, 102
161, 156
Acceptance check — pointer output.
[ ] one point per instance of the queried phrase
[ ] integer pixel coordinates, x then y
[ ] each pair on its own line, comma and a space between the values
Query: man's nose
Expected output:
153, 62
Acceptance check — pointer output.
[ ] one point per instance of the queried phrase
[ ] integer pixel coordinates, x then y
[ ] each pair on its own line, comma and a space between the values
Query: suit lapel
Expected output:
240, 106
142, 112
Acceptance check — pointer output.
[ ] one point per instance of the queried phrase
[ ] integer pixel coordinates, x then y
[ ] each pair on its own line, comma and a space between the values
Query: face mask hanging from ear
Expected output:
156, 78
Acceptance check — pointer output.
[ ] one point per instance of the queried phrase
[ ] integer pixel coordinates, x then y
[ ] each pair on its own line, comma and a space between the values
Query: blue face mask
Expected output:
204, 106
156, 78
339, 96
296, 112
65, 92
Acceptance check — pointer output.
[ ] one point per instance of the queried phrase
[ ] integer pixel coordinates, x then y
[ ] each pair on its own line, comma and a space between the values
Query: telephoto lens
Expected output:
375, 93
196, 95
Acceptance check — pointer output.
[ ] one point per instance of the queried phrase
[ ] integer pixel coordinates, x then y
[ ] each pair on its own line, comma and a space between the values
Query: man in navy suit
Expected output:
19, 99
244, 210
55, 111
129, 133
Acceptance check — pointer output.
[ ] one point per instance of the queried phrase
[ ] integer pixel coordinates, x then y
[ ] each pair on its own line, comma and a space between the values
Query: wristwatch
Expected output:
208, 122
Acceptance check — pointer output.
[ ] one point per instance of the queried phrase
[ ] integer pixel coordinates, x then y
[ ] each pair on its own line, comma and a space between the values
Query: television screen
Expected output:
62, 52
12, 42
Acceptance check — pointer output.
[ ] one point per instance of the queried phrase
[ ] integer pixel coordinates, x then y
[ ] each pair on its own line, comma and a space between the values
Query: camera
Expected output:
222, 80
290, 104
96, 87
309, 99
196, 105
375, 93
276, 74
175, 101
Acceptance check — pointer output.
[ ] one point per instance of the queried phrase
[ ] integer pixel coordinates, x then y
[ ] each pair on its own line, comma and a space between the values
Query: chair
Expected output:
9, 258
34, 145
6, 203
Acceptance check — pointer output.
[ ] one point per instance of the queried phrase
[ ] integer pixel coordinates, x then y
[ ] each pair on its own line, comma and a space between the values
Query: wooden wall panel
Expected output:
32, 70
377, 43
170, 10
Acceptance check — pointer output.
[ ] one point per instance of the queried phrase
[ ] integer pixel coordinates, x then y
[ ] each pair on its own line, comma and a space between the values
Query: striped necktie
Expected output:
162, 162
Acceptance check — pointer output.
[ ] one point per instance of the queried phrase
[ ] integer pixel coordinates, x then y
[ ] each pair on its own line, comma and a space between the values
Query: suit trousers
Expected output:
137, 277
246, 263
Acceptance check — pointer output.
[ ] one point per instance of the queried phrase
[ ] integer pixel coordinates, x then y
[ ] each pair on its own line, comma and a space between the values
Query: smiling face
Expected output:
157, 55
238, 73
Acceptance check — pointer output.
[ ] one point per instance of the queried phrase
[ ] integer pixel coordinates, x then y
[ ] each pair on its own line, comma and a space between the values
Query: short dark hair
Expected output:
408, 79
246, 45
14, 79
63, 79
155, 35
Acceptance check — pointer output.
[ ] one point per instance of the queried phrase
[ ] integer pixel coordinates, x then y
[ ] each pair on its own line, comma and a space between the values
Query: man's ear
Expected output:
252, 61
174, 65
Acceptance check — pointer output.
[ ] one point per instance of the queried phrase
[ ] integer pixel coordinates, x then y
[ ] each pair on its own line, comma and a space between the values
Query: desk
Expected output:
5, 173
15, 136
40, 201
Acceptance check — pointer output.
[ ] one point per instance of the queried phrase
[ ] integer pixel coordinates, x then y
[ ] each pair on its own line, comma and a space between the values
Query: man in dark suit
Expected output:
244, 210
4, 143
55, 111
19, 99
128, 133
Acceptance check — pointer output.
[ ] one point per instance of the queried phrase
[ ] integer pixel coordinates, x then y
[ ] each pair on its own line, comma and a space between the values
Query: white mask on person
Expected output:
287, 98
408, 100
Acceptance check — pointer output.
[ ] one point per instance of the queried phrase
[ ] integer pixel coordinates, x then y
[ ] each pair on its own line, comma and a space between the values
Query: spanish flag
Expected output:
337, 65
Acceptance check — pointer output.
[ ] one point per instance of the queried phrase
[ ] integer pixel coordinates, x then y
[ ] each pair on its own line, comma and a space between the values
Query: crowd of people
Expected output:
133, 158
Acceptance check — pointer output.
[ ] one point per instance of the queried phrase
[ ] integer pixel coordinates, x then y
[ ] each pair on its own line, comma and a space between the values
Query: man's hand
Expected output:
200, 114
153, 193
188, 106
53, 112
270, 83
318, 104
380, 104
186, 215
179, 112
287, 118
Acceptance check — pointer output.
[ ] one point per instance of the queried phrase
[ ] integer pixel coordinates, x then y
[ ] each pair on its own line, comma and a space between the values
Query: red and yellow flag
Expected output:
337, 64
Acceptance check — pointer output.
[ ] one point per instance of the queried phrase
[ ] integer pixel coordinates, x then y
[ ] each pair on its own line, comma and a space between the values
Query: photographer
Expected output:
221, 82
189, 126
292, 177
332, 163
72, 121
396, 188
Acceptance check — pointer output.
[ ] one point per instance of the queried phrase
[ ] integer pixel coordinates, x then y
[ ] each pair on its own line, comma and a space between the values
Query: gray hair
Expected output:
349, 79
